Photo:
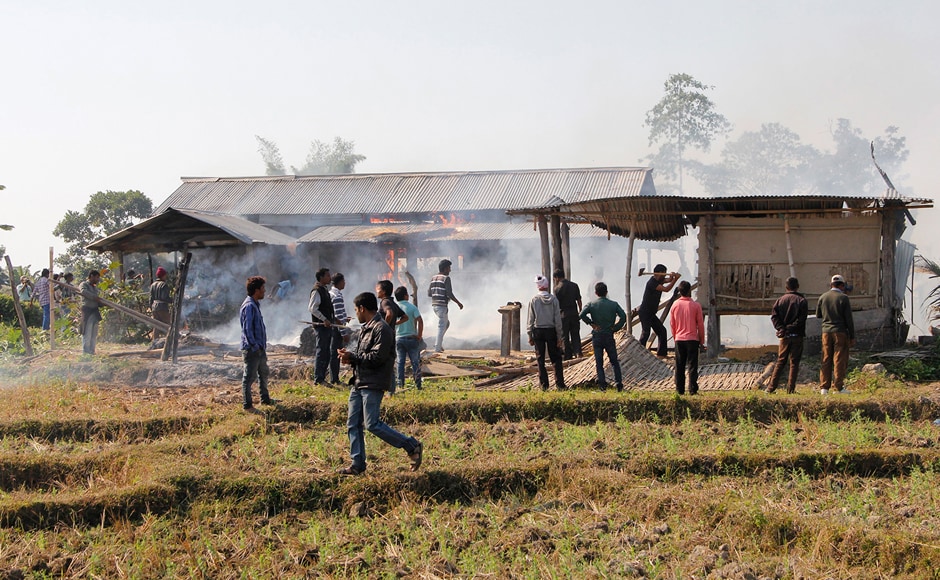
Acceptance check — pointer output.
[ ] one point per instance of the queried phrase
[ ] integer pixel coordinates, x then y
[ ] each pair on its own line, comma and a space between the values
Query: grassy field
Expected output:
165, 483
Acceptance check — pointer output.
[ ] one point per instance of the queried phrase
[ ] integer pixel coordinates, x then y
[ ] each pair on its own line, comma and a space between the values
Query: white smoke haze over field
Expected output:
436, 86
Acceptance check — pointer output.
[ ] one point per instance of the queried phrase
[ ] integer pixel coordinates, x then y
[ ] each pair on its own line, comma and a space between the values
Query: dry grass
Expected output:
150, 483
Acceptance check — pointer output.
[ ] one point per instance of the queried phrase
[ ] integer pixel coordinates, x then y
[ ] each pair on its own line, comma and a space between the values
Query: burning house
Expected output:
378, 226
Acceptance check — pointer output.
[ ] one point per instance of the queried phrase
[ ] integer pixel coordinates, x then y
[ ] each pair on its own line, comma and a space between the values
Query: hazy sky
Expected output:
123, 95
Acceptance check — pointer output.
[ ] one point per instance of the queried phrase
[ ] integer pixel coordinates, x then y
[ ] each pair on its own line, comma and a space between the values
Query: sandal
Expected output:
349, 471
416, 457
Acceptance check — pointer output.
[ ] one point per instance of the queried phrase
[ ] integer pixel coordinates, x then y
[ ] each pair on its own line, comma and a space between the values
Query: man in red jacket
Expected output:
688, 330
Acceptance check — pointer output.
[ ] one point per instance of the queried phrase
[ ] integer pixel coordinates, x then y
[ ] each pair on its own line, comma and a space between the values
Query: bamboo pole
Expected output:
713, 326
546, 254
628, 294
51, 303
19, 309
161, 326
171, 345
558, 260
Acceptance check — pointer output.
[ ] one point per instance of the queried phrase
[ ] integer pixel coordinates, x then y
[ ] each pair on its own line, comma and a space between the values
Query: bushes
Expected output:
8, 312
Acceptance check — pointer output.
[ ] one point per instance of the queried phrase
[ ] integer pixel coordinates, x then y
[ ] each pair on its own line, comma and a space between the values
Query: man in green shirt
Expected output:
838, 335
605, 317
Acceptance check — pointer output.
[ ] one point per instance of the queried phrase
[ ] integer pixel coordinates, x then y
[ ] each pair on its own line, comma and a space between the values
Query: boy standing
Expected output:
254, 345
408, 336
605, 317
688, 330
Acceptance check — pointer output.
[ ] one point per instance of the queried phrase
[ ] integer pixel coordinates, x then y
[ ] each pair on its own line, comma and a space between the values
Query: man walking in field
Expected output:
441, 293
605, 318
838, 335
372, 364
789, 320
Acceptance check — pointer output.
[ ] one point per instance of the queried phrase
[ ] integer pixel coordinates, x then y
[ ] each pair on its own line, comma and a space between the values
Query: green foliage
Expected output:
8, 312
105, 213
932, 302
337, 157
685, 117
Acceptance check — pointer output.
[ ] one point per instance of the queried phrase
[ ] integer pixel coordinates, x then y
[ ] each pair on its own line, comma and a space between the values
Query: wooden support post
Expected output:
713, 326
546, 254
172, 338
889, 220
558, 261
19, 309
786, 230
566, 248
628, 294
51, 302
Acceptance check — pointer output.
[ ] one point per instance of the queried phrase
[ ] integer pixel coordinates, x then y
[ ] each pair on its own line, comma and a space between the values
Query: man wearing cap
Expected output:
159, 301
838, 335
544, 330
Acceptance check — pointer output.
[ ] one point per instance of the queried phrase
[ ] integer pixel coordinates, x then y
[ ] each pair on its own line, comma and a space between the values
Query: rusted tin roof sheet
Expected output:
476, 231
403, 193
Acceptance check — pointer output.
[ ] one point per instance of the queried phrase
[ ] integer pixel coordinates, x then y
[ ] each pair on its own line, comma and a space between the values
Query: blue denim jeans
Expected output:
45, 317
408, 346
443, 323
322, 363
364, 408
255, 365
604, 342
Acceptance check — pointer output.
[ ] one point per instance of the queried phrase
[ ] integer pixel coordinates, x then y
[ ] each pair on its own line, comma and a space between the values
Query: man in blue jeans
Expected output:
254, 345
372, 365
605, 317
408, 337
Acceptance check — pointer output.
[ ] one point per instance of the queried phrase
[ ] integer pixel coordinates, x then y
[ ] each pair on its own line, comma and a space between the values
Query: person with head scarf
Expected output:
545, 332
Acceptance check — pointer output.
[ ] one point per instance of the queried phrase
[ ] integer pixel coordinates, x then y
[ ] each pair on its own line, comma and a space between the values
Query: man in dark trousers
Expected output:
838, 336
321, 310
789, 319
605, 317
544, 330
254, 344
569, 300
688, 330
658, 283
372, 365
160, 302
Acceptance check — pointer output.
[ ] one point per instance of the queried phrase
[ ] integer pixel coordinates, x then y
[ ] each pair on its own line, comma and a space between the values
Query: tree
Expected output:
5, 227
685, 117
273, 163
770, 161
105, 213
849, 169
323, 158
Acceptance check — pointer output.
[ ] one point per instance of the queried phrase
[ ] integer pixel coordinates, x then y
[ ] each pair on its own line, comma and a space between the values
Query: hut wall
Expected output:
751, 262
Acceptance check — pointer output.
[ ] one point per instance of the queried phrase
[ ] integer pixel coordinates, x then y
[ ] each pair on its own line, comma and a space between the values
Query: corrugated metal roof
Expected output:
179, 229
403, 193
380, 233
665, 218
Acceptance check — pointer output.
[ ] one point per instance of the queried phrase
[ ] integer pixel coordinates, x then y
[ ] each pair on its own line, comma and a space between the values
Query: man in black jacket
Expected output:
372, 365
321, 312
789, 319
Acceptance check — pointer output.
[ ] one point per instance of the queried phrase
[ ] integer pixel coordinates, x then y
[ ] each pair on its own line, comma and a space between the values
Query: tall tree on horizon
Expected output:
684, 118
323, 159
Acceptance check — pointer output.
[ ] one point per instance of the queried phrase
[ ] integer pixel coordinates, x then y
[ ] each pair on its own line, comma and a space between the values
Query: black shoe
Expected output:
619, 387
562, 387
271, 402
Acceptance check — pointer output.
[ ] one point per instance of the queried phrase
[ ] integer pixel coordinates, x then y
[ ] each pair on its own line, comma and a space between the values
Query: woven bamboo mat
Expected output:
644, 371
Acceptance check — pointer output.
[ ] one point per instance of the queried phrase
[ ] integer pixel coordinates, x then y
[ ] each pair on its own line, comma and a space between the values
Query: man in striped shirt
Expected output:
441, 293
340, 332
